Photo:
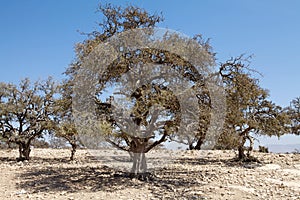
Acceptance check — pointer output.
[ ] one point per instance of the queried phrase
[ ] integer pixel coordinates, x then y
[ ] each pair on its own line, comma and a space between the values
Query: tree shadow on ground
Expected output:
36, 160
232, 162
171, 181
111, 159
91, 179
7, 159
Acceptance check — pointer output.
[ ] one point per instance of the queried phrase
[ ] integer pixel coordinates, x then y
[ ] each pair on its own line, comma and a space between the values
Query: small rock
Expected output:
21, 192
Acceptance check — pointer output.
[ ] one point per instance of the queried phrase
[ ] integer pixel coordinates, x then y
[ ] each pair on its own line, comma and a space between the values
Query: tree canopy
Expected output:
26, 112
149, 76
249, 111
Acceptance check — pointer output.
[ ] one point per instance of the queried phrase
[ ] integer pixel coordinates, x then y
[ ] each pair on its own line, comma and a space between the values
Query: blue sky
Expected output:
37, 38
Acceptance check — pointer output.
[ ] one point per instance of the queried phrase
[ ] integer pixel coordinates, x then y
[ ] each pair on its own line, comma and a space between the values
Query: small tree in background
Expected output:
26, 112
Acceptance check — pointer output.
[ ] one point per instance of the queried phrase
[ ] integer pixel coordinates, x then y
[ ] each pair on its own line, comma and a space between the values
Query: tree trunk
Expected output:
199, 143
20, 152
138, 152
139, 166
73, 151
242, 140
191, 146
241, 153
24, 151
250, 149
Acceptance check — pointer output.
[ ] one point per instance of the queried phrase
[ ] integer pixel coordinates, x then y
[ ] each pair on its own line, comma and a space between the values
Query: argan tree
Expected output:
249, 111
26, 112
116, 20
149, 110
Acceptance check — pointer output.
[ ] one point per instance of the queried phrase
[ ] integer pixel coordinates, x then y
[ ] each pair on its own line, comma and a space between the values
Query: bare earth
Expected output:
174, 175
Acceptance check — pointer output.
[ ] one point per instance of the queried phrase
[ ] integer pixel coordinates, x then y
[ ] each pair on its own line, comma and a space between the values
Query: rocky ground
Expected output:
174, 175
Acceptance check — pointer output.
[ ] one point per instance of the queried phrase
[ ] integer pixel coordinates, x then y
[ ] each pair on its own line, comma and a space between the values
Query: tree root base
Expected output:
146, 176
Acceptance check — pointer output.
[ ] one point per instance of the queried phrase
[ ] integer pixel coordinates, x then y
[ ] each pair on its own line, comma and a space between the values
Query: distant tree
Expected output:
26, 112
248, 109
294, 113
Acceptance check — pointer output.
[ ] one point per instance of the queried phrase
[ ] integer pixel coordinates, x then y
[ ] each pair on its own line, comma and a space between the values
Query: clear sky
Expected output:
37, 37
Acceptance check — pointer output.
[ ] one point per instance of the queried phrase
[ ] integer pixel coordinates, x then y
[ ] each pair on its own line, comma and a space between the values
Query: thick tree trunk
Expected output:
24, 151
242, 140
139, 166
139, 163
241, 154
